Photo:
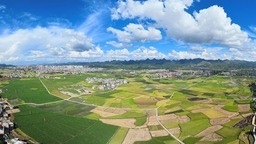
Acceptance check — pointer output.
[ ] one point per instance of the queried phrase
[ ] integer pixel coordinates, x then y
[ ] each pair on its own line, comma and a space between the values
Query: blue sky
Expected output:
50, 31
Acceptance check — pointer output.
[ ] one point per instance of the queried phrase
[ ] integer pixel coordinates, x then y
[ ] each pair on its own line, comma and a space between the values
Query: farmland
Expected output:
194, 109
29, 91
49, 127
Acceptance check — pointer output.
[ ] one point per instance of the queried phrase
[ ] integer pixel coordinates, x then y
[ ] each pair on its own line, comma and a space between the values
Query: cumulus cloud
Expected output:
39, 42
208, 53
210, 25
138, 54
92, 53
136, 33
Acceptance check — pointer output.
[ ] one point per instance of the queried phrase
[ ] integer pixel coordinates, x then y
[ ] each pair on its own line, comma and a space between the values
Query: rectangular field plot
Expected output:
29, 90
70, 108
52, 128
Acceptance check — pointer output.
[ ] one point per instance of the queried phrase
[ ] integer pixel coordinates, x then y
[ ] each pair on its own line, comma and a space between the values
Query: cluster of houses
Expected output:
64, 69
18, 73
75, 90
6, 123
34, 71
169, 74
106, 83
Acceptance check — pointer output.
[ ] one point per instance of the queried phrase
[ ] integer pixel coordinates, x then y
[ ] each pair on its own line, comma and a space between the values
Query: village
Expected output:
107, 84
35, 71
7, 126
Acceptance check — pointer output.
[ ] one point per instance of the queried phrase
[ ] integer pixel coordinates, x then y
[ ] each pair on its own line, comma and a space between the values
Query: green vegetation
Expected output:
48, 127
191, 140
140, 117
119, 136
190, 129
70, 108
187, 102
232, 108
229, 134
159, 140
28, 90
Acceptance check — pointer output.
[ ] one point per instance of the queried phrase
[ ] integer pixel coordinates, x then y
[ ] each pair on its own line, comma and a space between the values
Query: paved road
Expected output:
68, 99
157, 119
173, 136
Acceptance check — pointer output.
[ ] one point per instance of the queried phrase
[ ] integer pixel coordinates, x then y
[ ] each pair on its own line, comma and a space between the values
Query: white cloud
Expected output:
29, 16
210, 25
92, 53
41, 42
209, 53
122, 54
138, 54
118, 45
94, 26
2, 8
136, 33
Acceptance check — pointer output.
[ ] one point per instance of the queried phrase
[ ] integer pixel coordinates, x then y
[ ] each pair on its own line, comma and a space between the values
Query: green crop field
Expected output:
189, 105
29, 91
48, 127
70, 108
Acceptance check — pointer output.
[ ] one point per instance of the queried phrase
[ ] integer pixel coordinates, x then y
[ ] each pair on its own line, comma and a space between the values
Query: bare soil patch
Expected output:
139, 134
169, 118
227, 113
209, 130
13, 111
174, 130
244, 107
103, 113
160, 133
213, 137
110, 110
119, 111
219, 121
107, 112
128, 123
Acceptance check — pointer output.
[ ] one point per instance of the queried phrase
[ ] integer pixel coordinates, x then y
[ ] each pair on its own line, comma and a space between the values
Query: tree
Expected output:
252, 87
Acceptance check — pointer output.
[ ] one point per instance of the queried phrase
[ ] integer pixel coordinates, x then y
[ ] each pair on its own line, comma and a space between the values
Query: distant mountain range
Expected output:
165, 64
5, 65
172, 64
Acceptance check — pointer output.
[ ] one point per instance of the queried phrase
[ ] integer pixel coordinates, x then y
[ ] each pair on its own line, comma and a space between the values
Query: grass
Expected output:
231, 108
95, 100
155, 127
189, 92
229, 134
140, 120
49, 127
119, 136
144, 101
211, 113
190, 129
70, 108
29, 90
191, 140
140, 117
197, 116
93, 116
